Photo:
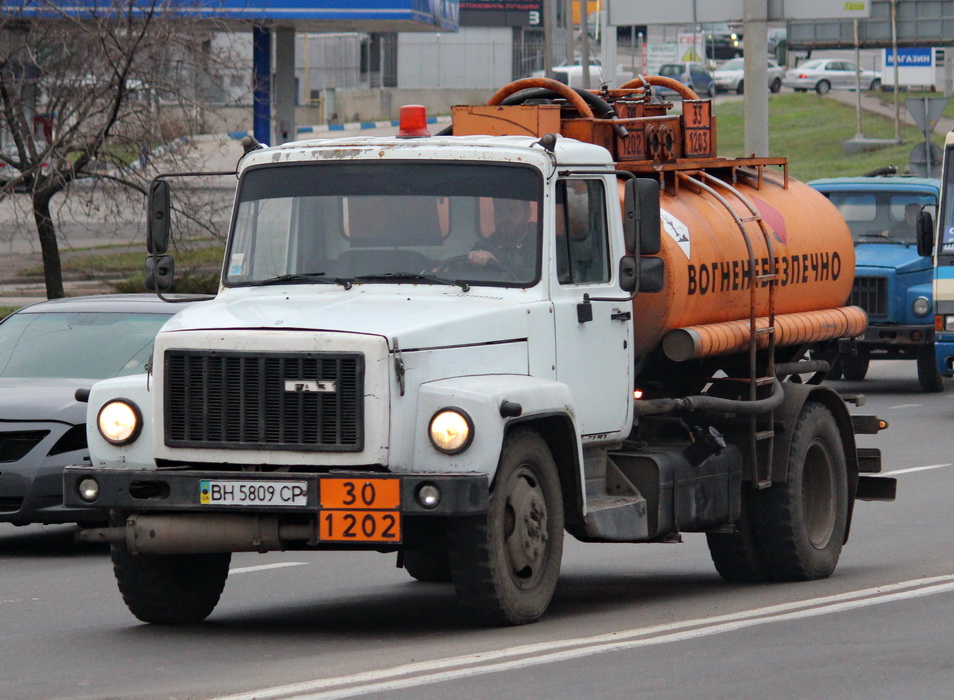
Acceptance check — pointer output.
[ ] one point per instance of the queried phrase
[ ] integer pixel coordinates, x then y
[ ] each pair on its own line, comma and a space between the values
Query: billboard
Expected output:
625, 12
501, 13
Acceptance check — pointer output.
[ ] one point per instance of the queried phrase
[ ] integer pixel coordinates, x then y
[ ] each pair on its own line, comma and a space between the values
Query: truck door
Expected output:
593, 346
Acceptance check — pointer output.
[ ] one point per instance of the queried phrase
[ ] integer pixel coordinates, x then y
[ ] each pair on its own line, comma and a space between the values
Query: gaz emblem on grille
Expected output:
309, 386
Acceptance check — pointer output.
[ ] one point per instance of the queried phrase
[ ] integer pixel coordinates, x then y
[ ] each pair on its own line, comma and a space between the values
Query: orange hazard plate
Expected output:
360, 526
360, 510
374, 494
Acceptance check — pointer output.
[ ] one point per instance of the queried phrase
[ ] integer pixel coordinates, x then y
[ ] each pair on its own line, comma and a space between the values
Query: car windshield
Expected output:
77, 345
882, 216
387, 223
733, 64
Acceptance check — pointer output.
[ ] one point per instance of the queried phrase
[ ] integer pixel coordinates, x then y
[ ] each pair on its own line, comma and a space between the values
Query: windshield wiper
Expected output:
885, 236
414, 277
296, 277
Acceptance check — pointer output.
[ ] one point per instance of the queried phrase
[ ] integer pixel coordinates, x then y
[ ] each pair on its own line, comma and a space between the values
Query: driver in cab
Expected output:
513, 243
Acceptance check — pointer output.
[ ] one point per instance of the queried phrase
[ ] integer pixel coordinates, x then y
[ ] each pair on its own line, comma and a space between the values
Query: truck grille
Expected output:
284, 401
871, 294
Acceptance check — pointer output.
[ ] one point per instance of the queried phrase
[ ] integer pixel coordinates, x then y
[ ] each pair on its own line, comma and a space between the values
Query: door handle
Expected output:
621, 316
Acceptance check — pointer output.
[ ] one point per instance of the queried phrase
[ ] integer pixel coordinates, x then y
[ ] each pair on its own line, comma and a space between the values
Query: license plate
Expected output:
253, 493
360, 510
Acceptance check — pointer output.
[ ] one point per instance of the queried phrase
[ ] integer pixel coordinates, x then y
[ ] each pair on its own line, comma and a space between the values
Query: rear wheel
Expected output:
735, 554
822, 87
854, 367
505, 564
801, 524
740, 88
169, 589
929, 376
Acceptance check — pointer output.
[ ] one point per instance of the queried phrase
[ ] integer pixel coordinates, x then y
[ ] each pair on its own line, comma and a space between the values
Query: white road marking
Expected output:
916, 469
265, 567
430, 672
906, 405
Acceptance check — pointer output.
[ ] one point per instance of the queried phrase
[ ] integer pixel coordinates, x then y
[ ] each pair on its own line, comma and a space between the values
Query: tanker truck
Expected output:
627, 362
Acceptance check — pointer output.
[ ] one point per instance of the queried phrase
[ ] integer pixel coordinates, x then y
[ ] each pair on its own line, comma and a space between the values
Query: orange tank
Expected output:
707, 262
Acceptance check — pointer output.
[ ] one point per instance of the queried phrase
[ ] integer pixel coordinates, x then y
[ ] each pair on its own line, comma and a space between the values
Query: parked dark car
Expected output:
47, 351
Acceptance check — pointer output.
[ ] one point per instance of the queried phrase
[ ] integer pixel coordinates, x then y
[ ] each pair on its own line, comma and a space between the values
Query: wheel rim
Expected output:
525, 528
819, 495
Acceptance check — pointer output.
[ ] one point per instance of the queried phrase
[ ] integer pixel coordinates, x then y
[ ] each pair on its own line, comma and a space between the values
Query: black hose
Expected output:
711, 403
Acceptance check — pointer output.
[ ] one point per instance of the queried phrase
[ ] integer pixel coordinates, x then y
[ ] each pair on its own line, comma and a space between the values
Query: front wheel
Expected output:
776, 85
505, 564
801, 524
822, 87
929, 375
740, 88
875, 84
169, 589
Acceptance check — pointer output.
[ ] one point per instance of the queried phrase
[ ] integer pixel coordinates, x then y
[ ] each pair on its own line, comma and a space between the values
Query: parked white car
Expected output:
730, 76
573, 75
824, 74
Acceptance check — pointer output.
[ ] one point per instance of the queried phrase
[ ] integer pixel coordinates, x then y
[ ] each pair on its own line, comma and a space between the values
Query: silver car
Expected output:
48, 351
824, 74
730, 76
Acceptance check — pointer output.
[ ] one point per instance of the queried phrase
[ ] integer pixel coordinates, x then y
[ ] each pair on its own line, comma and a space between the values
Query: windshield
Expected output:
387, 222
77, 345
882, 216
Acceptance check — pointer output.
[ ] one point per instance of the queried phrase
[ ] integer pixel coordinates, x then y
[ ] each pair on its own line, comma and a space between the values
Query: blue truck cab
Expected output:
893, 282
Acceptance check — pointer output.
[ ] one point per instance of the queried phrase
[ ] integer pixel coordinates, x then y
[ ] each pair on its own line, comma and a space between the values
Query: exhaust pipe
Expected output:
200, 534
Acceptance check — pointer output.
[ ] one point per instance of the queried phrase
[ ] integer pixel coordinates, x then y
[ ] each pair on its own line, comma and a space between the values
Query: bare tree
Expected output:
80, 100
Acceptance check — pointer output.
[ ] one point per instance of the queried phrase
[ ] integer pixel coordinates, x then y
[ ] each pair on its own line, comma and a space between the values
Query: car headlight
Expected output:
921, 306
451, 431
119, 422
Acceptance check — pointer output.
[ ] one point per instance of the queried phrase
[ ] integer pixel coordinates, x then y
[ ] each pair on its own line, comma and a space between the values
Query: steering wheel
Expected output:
462, 263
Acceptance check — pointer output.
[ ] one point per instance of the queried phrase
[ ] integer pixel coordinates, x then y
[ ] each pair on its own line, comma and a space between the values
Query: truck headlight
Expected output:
119, 422
921, 306
451, 431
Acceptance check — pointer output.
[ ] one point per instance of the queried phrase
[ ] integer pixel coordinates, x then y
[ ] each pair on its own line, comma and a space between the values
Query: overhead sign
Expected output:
501, 13
627, 12
924, 23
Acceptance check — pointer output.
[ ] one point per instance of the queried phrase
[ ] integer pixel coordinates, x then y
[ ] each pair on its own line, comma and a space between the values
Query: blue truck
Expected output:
893, 282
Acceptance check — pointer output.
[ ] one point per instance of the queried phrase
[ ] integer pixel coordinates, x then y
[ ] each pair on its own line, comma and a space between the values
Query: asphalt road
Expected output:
650, 621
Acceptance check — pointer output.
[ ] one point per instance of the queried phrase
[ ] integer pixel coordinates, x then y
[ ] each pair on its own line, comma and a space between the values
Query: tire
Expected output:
170, 589
505, 563
929, 376
854, 367
822, 87
776, 86
740, 88
801, 524
735, 554
875, 84
427, 566
711, 90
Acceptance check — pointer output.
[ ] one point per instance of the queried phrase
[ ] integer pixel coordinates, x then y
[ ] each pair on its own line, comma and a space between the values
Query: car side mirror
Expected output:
160, 272
925, 234
159, 208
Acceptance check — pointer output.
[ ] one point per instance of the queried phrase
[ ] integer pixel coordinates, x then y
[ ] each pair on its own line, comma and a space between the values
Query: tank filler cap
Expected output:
413, 122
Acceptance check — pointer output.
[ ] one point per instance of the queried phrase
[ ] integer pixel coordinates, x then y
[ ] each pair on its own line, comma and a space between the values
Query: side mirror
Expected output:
649, 221
628, 273
652, 275
160, 271
157, 229
926, 234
